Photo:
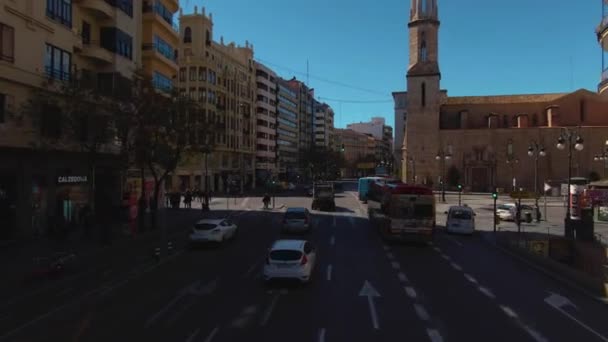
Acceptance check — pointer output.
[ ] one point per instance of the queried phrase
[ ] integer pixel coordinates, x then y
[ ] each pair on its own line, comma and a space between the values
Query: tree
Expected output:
453, 176
322, 163
72, 115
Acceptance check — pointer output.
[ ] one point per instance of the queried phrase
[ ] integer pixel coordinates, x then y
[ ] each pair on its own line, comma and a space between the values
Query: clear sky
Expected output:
358, 50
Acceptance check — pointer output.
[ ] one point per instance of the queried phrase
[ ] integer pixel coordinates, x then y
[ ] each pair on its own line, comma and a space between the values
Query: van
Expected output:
460, 219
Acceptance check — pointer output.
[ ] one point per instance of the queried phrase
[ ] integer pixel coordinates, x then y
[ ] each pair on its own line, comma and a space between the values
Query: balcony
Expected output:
152, 51
267, 130
93, 50
100, 9
266, 142
155, 14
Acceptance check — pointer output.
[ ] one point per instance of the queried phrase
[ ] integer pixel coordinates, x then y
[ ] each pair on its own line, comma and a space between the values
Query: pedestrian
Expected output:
266, 201
188, 199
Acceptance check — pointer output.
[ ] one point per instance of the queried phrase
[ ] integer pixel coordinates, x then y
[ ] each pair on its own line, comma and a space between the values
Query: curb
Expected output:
522, 257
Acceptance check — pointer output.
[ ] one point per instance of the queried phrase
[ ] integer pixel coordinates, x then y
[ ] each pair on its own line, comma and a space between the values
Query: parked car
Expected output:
461, 219
508, 211
213, 230
296, 220
290, 259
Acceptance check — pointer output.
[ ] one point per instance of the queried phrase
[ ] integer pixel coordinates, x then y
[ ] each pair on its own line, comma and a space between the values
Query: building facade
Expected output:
266, 116
221, 78
400, 99
488, 137
160, 38
359, 152
323, 126
378, 129
288, 111
43, 44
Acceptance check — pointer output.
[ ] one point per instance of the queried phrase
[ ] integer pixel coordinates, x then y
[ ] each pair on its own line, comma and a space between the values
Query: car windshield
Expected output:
504, 207
204, 226
460, 214
285, 255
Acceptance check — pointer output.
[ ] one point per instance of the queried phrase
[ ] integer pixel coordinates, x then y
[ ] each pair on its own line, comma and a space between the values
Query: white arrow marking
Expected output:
370, 292
559, 302
329, 272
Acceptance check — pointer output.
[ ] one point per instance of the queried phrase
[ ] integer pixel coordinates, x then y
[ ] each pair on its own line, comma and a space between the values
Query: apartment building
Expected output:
305, 97
160, 38
323, 125
46, 43
358, 149
221, 78
288, 110
266, 125
377, 128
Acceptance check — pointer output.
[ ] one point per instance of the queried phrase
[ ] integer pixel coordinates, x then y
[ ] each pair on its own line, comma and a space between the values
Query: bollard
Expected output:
170, 247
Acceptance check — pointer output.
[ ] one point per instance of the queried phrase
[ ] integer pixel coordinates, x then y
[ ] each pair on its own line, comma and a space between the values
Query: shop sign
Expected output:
71, 179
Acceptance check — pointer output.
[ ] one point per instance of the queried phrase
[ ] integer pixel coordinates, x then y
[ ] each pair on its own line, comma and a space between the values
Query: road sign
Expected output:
523, 195
547, 187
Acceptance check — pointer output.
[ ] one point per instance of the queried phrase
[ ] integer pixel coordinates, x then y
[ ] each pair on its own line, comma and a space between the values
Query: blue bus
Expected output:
365, 183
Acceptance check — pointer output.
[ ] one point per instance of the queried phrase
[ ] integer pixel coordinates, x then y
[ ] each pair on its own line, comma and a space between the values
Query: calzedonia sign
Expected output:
71, 179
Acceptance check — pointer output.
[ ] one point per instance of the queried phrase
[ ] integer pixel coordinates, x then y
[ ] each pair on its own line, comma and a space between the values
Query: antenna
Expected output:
571, 74
307, 74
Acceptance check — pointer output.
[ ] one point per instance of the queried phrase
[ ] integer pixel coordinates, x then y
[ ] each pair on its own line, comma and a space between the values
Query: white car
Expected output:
296, 220
461, 219
209, 230
505, 211
290, 259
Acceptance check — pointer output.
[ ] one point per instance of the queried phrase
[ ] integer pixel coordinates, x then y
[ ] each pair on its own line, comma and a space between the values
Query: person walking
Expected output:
266, 201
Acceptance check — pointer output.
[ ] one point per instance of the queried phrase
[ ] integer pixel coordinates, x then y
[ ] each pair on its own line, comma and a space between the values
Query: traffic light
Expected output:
342, 148
459, 187
494, 195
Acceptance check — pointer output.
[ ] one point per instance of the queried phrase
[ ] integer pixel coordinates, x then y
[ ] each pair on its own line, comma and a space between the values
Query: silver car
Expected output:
296, 220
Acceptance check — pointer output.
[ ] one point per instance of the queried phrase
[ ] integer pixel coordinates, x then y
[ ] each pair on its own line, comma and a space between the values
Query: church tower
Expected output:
421, 145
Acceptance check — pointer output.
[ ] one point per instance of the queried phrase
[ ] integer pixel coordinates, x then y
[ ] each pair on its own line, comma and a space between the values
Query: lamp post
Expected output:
442, 156
412, 161
603, 157
536, 151
570, 140
511, 161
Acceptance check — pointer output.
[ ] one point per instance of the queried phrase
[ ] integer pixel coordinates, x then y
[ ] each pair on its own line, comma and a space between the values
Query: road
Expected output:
459, 288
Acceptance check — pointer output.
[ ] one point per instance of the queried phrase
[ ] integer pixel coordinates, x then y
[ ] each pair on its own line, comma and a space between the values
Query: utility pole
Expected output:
495, 197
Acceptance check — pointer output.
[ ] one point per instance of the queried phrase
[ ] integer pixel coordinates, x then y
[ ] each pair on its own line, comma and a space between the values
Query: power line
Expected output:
354, 101
321, 79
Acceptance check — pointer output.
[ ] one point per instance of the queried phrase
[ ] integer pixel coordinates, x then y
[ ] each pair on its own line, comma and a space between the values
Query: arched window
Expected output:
423, 6
423, 94
207, 37
423, 49
505, 121
188, 35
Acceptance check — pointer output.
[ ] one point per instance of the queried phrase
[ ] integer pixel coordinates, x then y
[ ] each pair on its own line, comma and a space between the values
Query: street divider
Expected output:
583, 264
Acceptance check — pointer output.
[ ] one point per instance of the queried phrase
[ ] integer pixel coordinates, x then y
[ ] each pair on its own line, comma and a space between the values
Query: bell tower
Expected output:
421, 140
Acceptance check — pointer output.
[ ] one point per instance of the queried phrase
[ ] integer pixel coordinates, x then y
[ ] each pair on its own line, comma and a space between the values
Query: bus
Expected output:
365, 182
402, 212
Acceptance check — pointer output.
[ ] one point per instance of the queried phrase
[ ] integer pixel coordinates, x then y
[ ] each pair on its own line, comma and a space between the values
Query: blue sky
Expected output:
358, 51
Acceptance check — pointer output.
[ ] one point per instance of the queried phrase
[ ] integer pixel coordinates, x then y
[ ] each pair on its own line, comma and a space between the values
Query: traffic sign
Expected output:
523, 195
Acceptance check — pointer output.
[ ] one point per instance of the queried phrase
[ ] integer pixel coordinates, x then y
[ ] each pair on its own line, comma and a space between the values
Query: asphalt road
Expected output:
459, 288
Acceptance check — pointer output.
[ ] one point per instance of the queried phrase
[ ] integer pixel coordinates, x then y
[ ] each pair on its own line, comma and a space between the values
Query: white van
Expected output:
461, 219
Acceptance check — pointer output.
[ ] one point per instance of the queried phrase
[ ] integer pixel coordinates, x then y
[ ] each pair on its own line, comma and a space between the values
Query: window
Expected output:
207, 38
7, 43
50, 123
117, 41
423, 50
57, 63
162, 82
510, 149
534, 120
505, 121
423, 6
192, 74
124, 5
582, 110
202, 74
163, 47
3, 105
60, 10
423, 94
182, 74
187, 35
193, 94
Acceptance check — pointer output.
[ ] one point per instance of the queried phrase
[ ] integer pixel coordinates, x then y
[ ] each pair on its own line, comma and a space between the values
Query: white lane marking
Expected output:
411, 292
332, 240
268, 312
212, 334
470, 278
486, 292
421, 312
390, 256
445, 257
557, 302
250, 270
402, 277
434, 335
395, 265
193, 335
437, 249
455, 241
535, 334
322, 335
154, 317
329, 272
456, 266
508, 311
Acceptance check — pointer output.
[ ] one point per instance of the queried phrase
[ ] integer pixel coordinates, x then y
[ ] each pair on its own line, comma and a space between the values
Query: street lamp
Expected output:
571, 140
442, 156
536, 151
